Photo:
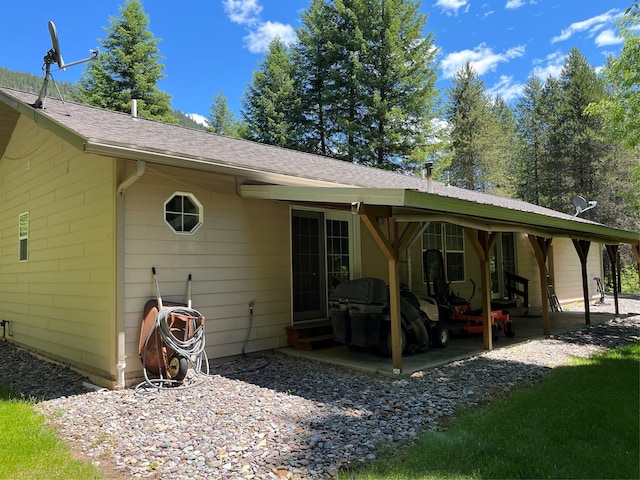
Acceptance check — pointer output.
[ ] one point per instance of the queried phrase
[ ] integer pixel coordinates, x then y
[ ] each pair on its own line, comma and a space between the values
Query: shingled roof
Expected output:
96, 130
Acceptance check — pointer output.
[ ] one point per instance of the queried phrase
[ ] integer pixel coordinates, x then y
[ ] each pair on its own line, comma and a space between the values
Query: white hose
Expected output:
191, 348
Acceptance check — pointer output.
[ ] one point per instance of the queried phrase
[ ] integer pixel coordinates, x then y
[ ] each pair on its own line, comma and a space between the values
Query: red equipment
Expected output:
456, 312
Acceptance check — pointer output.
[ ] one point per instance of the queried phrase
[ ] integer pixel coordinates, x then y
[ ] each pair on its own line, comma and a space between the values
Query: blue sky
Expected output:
214, 45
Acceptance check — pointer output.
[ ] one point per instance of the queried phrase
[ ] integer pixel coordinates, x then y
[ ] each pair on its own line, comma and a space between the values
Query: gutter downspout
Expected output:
121, 364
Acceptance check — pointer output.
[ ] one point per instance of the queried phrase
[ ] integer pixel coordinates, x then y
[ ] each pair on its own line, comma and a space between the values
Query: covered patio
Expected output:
396, 217
528, 328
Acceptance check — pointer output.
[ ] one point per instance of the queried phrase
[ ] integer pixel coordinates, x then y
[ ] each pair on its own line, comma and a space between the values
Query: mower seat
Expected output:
444, 295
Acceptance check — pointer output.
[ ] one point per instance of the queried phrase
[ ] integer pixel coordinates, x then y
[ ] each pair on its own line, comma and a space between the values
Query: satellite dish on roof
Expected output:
54, 56
582, 205
57, 56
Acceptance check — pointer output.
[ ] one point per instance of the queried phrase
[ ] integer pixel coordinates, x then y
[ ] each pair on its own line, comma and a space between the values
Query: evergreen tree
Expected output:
221, 119
576, 141
367, 75
128, 68
532, 132
468, 112
271, 106
502, 149
399, 80
314, 59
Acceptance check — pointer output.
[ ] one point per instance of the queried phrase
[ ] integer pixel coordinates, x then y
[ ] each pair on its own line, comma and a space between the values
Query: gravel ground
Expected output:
273, 416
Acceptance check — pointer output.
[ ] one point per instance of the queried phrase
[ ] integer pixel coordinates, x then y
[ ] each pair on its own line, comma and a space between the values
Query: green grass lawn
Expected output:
581, 422
29, 450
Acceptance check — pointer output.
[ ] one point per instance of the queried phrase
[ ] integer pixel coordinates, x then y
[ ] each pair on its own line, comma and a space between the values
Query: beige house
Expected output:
91, 200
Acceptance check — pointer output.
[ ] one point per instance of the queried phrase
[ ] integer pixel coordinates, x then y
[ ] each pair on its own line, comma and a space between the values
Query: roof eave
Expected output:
409, 205
131, 152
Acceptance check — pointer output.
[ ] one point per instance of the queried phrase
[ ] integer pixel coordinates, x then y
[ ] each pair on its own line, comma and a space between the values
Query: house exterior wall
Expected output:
61, 300
567, 273
240, 254
374, 263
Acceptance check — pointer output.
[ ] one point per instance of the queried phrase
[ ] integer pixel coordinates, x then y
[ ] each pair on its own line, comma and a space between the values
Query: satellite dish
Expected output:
57, 56
54, 56
582, 205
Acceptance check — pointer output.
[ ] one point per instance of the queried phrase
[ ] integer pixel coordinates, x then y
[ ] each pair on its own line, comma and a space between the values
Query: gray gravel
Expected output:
273, 416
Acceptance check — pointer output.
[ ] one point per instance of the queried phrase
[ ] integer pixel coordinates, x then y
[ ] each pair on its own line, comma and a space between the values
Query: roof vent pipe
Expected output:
134, 108
428, 166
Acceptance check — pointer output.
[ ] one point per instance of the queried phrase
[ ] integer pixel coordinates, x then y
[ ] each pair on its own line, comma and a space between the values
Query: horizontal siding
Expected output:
567, 271
62, 300
374, 263
239, 255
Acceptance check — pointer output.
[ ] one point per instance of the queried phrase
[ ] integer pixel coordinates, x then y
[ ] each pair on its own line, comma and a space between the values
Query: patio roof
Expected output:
415, 206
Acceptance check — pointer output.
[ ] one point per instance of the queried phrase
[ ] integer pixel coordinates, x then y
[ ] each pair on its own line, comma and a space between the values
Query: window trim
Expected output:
182, 213
23, 237
442, 235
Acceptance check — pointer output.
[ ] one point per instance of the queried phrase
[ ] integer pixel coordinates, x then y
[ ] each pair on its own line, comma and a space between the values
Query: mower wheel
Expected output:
440, 336
494, 331
509, 329
178, 366
384, 346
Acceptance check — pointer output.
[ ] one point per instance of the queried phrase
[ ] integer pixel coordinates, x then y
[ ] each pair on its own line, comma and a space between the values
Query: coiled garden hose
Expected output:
189, 350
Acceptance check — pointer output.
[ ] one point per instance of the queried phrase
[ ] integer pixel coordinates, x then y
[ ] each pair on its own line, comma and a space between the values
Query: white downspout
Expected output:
121, 357
127, 182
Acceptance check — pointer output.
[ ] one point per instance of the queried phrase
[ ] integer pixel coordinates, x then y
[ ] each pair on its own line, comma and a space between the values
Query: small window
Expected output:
23, 236
183, 213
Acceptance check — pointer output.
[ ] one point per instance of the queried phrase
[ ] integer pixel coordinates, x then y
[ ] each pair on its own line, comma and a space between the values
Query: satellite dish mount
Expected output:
54, 56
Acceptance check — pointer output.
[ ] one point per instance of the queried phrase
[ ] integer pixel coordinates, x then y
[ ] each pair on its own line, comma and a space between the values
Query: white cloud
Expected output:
608, 37
513, 4
551, 66
261, 33
451, 7
196, 117
506, 89
259, 38
592, 24
482, 59
244, 12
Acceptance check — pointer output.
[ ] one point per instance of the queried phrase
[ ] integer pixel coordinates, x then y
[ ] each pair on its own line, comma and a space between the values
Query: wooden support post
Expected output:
390, 251
483, 243
540, 247
582, 248
636, 254
612, 252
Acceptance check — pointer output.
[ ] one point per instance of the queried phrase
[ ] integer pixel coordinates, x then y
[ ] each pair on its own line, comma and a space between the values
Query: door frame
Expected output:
354, 254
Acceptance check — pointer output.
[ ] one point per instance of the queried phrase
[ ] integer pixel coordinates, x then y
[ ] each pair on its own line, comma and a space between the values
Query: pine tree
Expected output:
314, 59
271, 105
399, 80
502, 150
576, 141
469, 113
221, 119
532, 133
128, 68
368, 75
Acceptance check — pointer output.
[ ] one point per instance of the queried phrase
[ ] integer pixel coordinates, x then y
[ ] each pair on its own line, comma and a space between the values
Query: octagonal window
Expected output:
183, 213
